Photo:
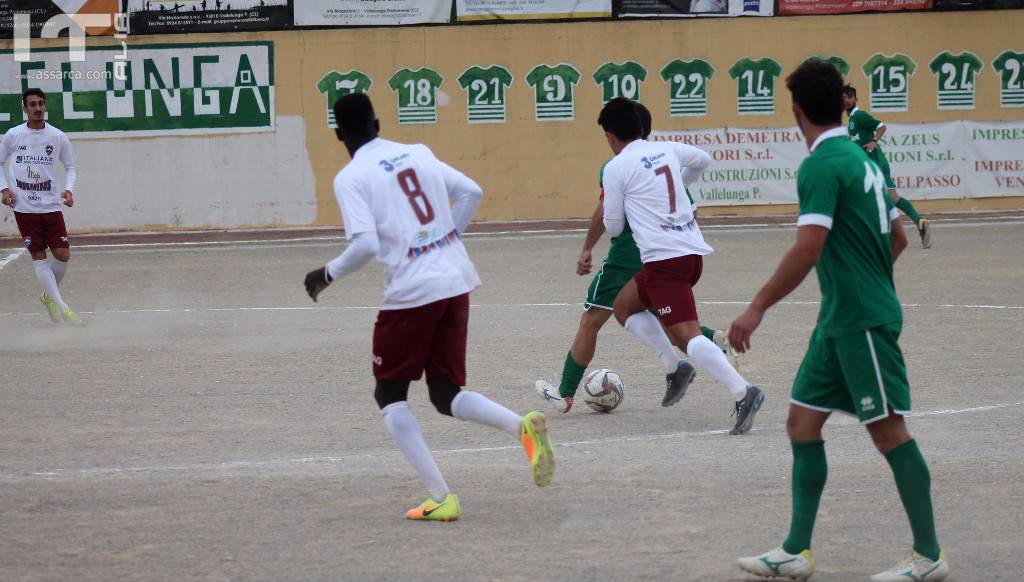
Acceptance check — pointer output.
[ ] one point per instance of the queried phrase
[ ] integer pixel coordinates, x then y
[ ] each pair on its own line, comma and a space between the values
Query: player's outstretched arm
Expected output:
614, 203
361, 250
5, 152
466, 195
693, 161
594, 232
67, 157
810, 240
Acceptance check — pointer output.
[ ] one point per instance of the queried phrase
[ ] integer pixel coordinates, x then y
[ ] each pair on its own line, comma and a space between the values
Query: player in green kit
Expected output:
865, 131
622, 263
850, 233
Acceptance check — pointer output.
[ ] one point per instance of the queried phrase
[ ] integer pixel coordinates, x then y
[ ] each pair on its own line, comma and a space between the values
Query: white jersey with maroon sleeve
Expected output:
33, 154
646, 184
401, 193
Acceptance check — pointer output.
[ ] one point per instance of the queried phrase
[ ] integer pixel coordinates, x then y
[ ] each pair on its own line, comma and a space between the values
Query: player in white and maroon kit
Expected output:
646, 183
36, 146
394, 199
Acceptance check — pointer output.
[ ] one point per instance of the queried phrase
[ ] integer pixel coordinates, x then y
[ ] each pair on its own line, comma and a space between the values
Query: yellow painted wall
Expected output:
532, 170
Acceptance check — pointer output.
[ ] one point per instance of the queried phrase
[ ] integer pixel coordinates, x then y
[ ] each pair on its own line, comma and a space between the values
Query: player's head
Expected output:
849, 97
357, 122
645, 120
621, 123
817, 90
34, 103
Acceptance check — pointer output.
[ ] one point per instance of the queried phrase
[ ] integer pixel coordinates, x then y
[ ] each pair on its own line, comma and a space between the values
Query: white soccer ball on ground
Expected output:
602, 390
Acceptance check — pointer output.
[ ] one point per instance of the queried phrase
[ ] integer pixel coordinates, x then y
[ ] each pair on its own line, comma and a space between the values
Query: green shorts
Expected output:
861, 373
607, 283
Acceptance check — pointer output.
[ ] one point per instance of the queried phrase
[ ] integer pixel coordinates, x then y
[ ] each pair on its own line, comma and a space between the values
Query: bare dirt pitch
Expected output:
211, 423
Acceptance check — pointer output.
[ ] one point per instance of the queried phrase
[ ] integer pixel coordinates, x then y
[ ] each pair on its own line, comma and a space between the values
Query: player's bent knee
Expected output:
442, 392
390, 391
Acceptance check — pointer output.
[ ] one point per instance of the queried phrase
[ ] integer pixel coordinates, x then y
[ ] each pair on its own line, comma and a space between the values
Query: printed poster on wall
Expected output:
40, 11
959, 159
371, 12
468, 10
1009, 65
890, 81
335, 85
691, 8
185, 16
847, 6
177, 89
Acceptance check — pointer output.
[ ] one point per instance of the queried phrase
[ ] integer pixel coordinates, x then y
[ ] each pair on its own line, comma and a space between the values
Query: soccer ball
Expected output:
602, 390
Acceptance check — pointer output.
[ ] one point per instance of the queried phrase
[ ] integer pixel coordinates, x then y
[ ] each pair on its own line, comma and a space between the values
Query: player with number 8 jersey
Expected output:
395, 201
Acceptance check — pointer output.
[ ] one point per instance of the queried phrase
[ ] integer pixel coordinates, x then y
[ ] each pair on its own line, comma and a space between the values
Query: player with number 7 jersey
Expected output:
408, 209
646, 183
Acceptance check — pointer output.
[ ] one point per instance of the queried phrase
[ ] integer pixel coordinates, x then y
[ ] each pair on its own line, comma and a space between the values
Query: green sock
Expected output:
909, 210
810, 471
572, 373
914, 484
708, 332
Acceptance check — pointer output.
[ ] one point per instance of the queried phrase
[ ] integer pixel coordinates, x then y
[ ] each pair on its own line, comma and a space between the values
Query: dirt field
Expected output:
211, 423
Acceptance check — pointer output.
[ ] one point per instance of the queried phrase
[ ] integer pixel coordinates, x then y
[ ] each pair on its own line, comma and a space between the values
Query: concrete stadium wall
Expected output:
529, 169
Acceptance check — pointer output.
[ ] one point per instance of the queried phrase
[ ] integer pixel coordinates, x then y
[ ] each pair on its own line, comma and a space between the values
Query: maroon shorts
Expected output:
667, 287
430, 337
43, 230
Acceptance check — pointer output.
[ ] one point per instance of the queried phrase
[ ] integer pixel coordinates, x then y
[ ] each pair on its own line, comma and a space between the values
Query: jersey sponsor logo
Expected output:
22, 148
867, 403
389, 165
377, 360
444, 241
677, 227
665, 310
649, 162
37, 187
17, 159
30, 159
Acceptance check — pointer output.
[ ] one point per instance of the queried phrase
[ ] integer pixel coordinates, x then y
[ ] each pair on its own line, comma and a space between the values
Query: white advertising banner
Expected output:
529, 9
691, 8
994, 157
960, 159
371, 12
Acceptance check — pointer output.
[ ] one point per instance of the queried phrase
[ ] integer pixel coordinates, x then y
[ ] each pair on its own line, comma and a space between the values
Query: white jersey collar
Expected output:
366, 147
834, 132
631, 144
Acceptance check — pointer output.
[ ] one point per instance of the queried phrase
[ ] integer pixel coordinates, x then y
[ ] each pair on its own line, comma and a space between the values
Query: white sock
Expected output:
646, 327
407, 435
476, 407
710, 357
45, 275
59, 268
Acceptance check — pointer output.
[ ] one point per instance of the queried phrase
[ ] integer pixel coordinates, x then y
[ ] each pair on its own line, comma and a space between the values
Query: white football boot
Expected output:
550, 394
779, 563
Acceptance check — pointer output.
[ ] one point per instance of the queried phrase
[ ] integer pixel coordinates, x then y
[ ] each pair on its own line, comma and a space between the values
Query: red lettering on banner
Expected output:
999, 165
1010, 181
